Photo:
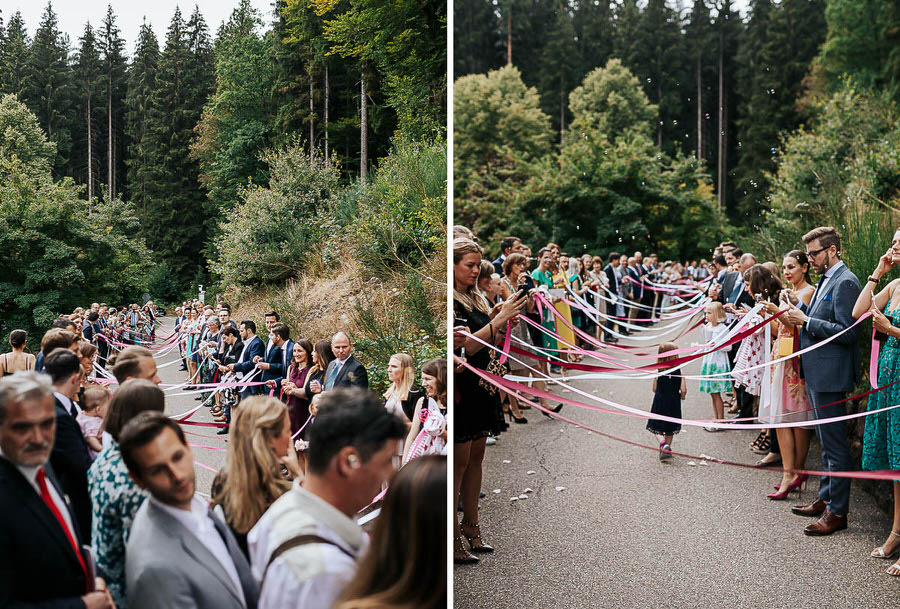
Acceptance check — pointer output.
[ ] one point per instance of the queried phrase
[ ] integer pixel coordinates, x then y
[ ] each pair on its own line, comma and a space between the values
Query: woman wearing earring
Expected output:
881, 438
476, 401
788, 401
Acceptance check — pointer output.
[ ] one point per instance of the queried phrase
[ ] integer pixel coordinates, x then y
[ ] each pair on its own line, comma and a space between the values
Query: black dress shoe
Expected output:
816, 508
222, 431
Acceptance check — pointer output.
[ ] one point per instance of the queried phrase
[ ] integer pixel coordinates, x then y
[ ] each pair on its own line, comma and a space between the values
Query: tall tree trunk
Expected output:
109, 150
327, 94
363, 132
90, 156
312, 131
720, 183
699, 106
509, 36
562, 110
659, 125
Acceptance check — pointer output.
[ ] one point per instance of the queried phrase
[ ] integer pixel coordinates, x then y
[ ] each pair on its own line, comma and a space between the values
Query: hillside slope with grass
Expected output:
365, 258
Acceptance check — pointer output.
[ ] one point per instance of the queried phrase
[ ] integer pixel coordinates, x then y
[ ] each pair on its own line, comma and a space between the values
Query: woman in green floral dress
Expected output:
881, 439
543, 277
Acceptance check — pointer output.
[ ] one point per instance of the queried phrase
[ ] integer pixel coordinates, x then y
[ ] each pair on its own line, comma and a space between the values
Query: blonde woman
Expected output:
260, 465
477, 407
402, 396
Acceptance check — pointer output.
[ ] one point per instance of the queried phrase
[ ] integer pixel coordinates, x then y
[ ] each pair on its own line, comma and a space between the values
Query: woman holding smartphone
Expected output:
477, 402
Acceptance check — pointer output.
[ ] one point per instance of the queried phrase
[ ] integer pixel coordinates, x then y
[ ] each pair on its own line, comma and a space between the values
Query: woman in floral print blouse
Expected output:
115, 498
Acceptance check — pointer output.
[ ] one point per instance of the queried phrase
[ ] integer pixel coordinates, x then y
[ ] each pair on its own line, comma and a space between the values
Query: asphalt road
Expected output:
176, 404
630, 531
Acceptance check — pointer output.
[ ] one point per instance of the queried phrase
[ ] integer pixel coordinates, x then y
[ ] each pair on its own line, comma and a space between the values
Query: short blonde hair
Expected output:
718, 308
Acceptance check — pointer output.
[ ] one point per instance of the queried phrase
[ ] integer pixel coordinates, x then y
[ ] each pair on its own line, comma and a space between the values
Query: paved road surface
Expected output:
629, 531
175, 404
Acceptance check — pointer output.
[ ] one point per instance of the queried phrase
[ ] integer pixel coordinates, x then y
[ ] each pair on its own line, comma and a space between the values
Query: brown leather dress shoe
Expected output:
219, 419
813, 509
827, 524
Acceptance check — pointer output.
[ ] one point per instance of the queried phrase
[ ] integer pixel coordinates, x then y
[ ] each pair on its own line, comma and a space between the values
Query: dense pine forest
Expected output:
179, 128
690, 59
299, 147
746, 95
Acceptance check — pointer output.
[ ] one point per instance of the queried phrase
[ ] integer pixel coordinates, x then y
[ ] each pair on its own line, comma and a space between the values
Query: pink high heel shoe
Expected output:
796, 485
800, 478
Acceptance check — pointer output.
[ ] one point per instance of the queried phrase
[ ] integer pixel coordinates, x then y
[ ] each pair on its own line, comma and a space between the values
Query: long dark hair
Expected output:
323, 350
405, 566
803, 260
437, 368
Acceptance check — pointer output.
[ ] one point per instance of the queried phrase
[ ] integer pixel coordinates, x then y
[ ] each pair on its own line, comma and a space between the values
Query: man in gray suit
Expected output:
179, 553
830, 371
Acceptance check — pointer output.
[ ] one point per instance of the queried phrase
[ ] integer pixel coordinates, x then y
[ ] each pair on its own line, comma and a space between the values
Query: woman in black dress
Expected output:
669, 389
475, 409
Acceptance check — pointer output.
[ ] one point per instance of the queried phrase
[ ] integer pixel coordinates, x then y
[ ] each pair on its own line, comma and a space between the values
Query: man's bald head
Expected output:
341, 346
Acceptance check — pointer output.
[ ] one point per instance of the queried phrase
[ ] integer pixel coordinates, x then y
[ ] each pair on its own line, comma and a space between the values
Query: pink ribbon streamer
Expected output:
870, 475
873, 361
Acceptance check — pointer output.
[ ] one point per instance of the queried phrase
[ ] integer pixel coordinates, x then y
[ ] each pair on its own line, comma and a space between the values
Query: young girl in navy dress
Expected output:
669, 389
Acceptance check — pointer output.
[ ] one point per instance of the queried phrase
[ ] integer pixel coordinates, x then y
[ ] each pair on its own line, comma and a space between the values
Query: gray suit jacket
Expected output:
168, 567
835, 366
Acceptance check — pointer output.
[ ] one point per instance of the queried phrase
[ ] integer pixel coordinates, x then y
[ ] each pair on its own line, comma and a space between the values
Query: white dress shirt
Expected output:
200, 524
68, 404
828, 274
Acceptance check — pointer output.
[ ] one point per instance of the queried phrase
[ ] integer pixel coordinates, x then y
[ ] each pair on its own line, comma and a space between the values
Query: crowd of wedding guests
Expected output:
100, 489
623, 294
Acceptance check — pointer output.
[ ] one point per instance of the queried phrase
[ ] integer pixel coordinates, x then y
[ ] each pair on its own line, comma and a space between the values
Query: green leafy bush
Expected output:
271, 233
402, 214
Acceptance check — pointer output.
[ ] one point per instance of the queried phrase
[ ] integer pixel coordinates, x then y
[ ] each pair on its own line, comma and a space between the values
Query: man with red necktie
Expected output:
42, 563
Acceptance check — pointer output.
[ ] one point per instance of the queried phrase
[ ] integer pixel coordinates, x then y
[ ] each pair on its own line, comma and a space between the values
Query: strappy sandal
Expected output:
481, 548
894, 569
879, 551
762, 444
467, 558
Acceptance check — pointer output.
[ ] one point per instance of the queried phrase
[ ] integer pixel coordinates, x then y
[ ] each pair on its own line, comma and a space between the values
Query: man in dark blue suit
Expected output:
277, 370
42, 561
273, 360
70, 457
253, 348
830, 371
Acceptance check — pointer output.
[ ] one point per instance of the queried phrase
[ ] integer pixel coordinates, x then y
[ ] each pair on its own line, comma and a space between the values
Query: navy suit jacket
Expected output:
832, 368
70, 459
611, 275
279, 370
246, 365
38, 566
274, 360
498, 266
